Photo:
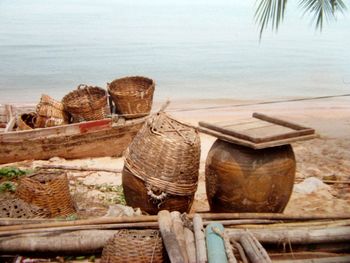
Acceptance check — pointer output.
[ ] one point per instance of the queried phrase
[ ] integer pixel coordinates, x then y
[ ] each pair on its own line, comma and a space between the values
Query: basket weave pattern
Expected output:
17, 208
86, 103
48, 190
165, 154
26, 121
134, 246
50, 113
132, 96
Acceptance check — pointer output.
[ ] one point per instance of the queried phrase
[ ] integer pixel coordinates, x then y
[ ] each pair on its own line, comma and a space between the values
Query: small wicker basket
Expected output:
134, 246
50, 113
48, 190
165, 155
86, 103
17, 208
132, 96
26, 121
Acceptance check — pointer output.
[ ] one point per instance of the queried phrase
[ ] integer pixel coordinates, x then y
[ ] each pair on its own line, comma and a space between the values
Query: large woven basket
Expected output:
165, 156
132, 96
134, 246
50, 113
48, 190
86, 103
26, 121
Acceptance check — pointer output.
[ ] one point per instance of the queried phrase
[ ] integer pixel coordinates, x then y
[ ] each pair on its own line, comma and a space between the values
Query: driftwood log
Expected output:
190, 245
201, 251
77, 242
169, 238
178, 229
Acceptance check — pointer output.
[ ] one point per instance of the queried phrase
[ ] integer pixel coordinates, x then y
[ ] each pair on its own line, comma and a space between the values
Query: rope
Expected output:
258, 103
240, 105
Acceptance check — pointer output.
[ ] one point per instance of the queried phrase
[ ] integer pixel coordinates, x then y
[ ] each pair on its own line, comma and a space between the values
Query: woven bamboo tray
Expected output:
50, 113
142, 246
48, 190
132, 96
86, 103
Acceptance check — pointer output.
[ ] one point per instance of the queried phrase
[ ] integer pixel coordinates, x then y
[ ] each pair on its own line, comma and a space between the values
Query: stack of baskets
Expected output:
134, 246
132, 96
47, 190
161, 166
50, 113
86, 103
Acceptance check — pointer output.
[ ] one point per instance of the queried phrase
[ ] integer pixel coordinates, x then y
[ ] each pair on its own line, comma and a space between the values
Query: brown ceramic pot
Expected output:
241, 179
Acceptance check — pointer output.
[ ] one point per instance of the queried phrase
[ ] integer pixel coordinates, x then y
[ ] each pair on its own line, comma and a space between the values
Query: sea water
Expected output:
201, 49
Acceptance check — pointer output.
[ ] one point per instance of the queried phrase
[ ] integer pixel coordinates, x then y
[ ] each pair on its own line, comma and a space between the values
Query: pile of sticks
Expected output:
245, 237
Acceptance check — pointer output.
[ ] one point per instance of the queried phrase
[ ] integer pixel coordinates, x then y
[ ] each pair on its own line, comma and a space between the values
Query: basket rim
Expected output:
113, 88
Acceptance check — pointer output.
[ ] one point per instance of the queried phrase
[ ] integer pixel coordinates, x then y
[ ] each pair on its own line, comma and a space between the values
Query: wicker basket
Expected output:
132, 96
86, 103
165, 155
48, 190
50, 113
134, 246
17, 208
26, 121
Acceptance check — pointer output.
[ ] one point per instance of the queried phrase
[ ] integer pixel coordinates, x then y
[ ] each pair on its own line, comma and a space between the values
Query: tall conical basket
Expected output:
132, 96
86, 103
162, 165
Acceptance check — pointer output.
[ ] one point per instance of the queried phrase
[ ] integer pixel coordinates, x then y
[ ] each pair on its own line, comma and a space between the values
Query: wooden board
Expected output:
260, 131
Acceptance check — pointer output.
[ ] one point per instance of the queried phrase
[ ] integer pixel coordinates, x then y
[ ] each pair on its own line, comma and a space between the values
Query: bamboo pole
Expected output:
225, 219
82, 227
340, 259
254, 250
297, 235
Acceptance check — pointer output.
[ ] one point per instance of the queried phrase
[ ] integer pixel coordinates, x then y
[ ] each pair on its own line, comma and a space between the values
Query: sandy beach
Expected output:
326, 158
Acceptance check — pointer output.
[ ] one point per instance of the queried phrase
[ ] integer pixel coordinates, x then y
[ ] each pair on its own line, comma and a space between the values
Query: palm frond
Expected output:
322, 10
270, 11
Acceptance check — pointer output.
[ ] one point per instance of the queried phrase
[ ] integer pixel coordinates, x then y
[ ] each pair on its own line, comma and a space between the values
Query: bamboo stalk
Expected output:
254, 250
297, 235
82, 227
340, 259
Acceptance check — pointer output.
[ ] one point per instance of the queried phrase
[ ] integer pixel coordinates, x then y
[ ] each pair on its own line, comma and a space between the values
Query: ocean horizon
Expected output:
192, 49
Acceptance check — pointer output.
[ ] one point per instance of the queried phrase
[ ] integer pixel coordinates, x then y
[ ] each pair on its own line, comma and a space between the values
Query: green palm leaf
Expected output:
272, 11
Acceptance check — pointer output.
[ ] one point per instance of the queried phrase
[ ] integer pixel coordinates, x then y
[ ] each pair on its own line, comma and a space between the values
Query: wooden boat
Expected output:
79, 140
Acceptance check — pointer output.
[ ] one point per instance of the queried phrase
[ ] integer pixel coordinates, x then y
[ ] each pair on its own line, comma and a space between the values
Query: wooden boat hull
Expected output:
81, 140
